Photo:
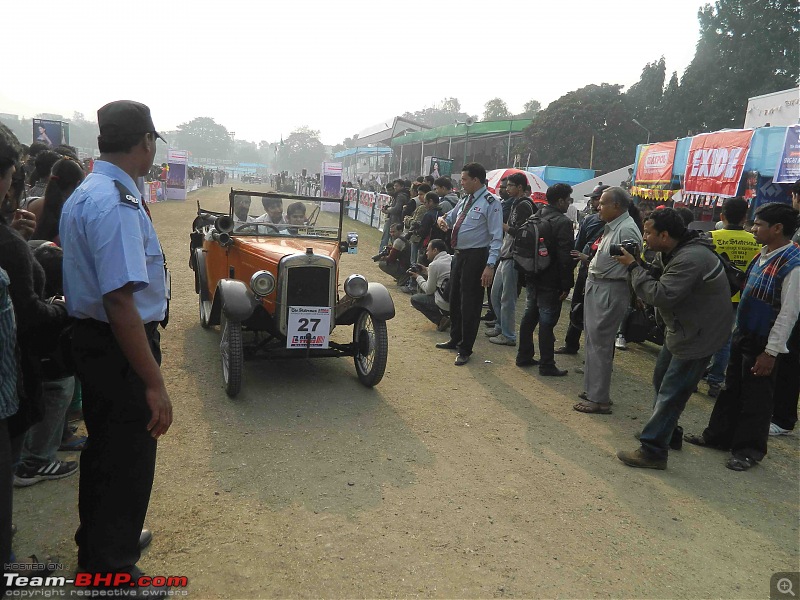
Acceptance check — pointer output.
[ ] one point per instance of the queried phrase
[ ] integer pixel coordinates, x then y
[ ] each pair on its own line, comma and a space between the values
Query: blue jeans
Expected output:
674, 380
504, 298
384, 237
43, 438
543, 309
414, 251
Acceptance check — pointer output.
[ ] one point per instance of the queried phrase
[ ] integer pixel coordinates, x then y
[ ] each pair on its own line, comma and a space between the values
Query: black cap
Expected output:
125, 117
598, 191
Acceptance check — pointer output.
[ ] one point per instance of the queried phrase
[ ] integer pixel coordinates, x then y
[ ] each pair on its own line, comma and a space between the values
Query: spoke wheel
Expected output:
230, 348
372, 348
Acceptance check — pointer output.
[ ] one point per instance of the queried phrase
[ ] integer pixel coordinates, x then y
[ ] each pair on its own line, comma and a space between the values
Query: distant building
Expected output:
778, 109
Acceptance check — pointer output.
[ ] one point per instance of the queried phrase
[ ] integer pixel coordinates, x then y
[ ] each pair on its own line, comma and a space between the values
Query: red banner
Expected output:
716, 162
654, 168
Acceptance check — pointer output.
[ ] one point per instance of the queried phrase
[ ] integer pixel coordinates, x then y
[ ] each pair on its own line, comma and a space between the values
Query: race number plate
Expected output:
308, 327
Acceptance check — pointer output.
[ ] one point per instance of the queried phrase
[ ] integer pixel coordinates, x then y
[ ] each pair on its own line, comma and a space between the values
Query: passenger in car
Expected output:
296, 214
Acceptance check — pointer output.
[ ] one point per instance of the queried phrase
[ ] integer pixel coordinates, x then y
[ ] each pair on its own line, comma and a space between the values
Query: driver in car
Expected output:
273, 208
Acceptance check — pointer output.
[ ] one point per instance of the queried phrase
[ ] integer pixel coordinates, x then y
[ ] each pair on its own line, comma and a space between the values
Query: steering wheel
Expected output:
254, 226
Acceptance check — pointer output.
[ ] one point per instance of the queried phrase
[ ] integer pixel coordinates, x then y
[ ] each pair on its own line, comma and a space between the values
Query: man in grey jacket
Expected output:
689, 288
430, 282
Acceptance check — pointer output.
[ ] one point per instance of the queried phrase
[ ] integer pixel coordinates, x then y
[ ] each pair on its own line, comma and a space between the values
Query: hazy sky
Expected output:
263, 68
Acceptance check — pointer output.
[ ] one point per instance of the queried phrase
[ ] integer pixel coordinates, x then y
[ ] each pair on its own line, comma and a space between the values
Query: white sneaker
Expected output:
773, 429
502, 340
620, 343
494, 331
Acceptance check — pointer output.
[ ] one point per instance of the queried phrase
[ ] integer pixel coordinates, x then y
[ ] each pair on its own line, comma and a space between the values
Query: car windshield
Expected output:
285, 216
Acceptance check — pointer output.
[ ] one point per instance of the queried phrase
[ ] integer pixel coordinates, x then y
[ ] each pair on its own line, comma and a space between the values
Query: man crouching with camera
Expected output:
432, 284
689, 288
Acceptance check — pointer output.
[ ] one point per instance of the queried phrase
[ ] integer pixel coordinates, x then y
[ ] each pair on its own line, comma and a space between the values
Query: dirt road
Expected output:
478, 481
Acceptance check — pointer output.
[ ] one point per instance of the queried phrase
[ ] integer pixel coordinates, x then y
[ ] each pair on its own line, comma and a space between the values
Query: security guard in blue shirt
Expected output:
116, 287
477, 234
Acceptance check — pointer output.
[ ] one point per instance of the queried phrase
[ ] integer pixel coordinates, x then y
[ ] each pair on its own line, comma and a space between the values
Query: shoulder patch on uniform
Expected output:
125, 196
489, 197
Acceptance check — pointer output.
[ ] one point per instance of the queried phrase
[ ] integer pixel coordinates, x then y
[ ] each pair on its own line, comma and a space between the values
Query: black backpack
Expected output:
736, 277
531, 243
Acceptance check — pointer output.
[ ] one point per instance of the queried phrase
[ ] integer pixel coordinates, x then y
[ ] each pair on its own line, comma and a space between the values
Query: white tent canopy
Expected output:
613, 178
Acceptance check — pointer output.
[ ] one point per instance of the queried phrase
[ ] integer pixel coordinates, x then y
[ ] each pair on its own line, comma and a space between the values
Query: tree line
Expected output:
746, 48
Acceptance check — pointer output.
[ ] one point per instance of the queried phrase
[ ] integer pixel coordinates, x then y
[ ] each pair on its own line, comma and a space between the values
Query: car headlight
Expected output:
262, 283
356, 286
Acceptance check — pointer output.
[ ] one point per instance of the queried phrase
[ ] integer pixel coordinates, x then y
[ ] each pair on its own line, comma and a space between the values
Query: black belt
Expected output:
105, 328
467, 250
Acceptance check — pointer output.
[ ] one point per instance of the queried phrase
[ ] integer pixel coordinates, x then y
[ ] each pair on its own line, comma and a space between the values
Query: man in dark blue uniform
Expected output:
116, 287
476, 223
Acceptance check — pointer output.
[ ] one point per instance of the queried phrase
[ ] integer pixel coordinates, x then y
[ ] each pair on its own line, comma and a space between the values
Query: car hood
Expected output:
277, 246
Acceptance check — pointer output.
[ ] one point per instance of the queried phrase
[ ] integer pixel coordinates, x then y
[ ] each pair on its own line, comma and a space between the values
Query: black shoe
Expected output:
145, 538
489, 316
461, 359
448, 345
566, 350
527, 362
552, 371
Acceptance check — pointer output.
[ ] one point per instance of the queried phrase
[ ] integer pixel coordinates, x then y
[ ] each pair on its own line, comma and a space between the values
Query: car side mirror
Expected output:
343, 247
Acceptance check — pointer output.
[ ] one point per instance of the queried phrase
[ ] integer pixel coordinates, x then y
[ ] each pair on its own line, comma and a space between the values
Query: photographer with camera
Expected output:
606, 298
689, 288
431, 282
394, 260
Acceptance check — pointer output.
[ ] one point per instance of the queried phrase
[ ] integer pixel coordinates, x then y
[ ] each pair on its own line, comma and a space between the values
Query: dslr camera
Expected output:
415, 268
630, 246
381, 255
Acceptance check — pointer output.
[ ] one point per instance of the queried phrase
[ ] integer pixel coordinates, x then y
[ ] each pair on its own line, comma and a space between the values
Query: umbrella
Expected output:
538, 186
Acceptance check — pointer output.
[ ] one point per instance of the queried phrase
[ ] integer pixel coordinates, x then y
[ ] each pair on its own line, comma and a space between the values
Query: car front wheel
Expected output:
372, 348
230, 347
205, 311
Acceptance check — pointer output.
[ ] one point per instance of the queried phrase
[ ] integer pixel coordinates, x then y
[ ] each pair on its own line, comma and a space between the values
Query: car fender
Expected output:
235, 298
377, 302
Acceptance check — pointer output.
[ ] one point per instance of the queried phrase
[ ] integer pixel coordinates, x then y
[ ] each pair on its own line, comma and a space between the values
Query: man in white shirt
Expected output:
606, 299
430, 282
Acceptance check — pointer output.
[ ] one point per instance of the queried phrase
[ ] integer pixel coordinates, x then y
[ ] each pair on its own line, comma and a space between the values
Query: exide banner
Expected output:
654, 168
716, 162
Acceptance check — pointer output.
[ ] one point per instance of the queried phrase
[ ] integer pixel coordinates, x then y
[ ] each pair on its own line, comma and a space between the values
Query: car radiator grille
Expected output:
308, 286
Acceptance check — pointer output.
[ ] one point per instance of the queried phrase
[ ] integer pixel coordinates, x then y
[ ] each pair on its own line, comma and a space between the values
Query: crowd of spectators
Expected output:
633, 272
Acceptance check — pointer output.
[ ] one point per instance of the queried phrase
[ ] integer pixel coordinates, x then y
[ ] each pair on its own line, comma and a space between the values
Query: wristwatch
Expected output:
769, 353
490, 266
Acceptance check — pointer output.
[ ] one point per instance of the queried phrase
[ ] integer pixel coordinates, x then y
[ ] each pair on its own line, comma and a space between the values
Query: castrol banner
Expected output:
654, 168
716, 162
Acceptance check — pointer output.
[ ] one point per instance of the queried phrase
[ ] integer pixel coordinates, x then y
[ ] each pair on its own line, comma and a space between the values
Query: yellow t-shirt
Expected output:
739, 245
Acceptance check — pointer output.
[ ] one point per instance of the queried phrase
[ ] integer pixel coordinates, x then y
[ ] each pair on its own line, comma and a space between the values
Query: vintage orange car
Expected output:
267, 273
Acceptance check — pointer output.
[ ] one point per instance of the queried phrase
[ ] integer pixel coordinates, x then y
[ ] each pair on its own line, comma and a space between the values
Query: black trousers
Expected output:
741, 415
466, 297
573, 339
787, 383
118, 464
